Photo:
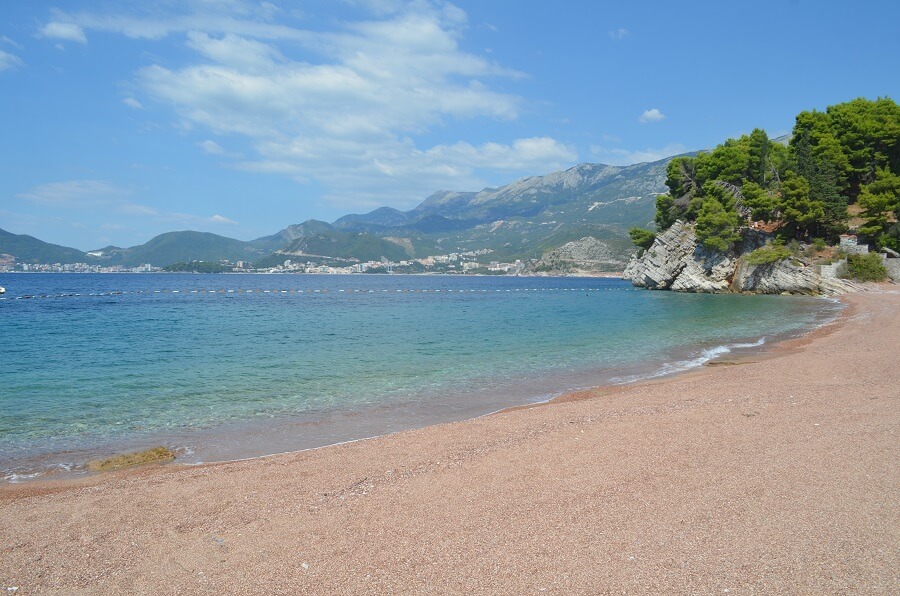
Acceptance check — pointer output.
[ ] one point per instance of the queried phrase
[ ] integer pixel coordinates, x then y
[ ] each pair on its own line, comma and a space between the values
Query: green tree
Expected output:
666, 212
867, 267
641, 237
758, 157
762, 203
800, 212
880, 201
681, 178
716, 225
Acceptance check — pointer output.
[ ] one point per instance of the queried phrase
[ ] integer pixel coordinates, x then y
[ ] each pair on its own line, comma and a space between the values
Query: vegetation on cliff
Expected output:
847, 155
867, 267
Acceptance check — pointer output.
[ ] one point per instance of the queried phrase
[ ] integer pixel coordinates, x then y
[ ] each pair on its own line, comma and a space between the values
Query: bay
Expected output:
230, 366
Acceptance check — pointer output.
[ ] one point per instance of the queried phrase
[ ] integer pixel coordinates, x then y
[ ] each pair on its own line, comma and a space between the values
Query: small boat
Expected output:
2, 290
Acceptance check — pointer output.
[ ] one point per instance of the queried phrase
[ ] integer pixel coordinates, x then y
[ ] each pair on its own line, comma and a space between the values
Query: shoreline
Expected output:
194, 444
776, 475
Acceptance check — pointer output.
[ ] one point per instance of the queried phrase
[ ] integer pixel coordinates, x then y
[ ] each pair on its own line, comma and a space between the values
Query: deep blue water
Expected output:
223, 366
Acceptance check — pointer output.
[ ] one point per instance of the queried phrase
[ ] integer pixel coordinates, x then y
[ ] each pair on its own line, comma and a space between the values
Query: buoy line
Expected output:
295, 291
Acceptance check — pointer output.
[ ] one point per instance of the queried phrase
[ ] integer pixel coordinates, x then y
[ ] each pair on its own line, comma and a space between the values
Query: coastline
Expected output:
237, 432
748, 477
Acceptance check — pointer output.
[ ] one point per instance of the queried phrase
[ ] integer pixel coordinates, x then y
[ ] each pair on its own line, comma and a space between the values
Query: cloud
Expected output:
211, 147
75, 193
626, 157
136, 209
651, 115
65, 31
341, 107
133, 103
9, 61
218, 219
11, 42
620, 33
400, 172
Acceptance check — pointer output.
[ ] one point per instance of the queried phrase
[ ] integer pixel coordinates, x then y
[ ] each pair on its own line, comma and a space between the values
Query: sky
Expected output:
123, 120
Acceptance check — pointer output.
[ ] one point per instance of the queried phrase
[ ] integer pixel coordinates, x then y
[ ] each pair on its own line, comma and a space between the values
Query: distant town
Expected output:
471, 263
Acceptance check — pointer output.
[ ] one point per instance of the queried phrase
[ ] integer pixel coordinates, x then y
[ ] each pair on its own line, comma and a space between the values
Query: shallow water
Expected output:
228, 366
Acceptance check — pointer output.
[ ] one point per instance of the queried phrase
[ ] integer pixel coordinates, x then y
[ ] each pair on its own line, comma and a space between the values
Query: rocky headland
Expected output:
678, 261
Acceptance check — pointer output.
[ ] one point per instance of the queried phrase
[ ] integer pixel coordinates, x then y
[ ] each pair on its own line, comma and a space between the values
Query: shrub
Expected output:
770, 253
641, 237
867, 267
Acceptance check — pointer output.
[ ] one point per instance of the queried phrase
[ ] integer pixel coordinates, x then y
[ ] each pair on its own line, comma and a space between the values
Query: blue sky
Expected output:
122, 120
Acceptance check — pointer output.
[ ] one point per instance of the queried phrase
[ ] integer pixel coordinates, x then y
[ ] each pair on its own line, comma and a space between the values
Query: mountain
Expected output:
531, 215
175, 247
281, 239
521, 220
338, 245
28, 249
383, 216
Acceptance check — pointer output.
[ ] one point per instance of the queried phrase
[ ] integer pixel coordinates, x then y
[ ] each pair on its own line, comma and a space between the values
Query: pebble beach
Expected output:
778, 474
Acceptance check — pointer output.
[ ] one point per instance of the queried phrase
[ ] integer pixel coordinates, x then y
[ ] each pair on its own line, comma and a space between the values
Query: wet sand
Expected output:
777, 474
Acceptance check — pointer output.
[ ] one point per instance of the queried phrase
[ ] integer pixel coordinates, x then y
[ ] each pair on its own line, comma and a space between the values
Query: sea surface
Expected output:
230, 366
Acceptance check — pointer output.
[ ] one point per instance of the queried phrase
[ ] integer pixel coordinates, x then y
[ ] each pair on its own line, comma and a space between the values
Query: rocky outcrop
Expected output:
678, 262
587, 256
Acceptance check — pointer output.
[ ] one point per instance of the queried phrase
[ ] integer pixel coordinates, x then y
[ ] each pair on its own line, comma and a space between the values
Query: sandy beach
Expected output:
779, 474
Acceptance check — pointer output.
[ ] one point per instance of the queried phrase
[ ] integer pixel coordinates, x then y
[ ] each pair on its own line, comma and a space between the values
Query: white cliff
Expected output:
677, 261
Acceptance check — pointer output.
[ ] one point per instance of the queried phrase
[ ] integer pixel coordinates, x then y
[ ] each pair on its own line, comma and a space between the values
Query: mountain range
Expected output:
524, 219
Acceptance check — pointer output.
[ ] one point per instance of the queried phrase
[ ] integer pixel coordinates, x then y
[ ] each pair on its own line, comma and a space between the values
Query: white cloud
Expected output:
219, 219
133, 103
626, 157
65, 31
11, 42
211, 147
75, 193
341, 107
136, 209
620, 33
651, 115
9, 61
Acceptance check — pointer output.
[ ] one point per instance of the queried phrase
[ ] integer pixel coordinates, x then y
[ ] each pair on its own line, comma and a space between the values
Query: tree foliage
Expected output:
867, 267
717, 225
847, 154
641, 237
770, 253
880, 201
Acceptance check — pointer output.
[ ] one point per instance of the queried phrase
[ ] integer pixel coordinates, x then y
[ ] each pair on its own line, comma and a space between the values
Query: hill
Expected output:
523, 219
181, 247
28, 249
284, 237
531, 215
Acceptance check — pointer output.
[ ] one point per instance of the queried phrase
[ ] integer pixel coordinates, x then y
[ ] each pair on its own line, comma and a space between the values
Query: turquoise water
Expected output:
224, 366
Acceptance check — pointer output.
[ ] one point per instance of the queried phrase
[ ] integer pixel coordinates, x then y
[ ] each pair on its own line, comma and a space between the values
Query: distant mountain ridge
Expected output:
180, 247
523, 219
28, 249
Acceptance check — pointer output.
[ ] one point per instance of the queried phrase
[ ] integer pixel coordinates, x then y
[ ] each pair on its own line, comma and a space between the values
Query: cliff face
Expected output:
587, 256
678, 262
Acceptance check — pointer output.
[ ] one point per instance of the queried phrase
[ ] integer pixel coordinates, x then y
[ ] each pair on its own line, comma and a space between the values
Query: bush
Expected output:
717, 226
770, 253
641, 237
867, 267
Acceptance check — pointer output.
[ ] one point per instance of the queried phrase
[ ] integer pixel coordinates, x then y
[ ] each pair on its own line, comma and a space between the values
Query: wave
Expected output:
671, 368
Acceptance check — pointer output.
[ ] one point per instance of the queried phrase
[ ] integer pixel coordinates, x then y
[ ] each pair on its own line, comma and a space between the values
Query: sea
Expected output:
231, 366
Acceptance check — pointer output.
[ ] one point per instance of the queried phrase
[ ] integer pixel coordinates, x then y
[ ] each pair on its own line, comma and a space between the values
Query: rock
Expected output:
585, 256
678, 262
789, 275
